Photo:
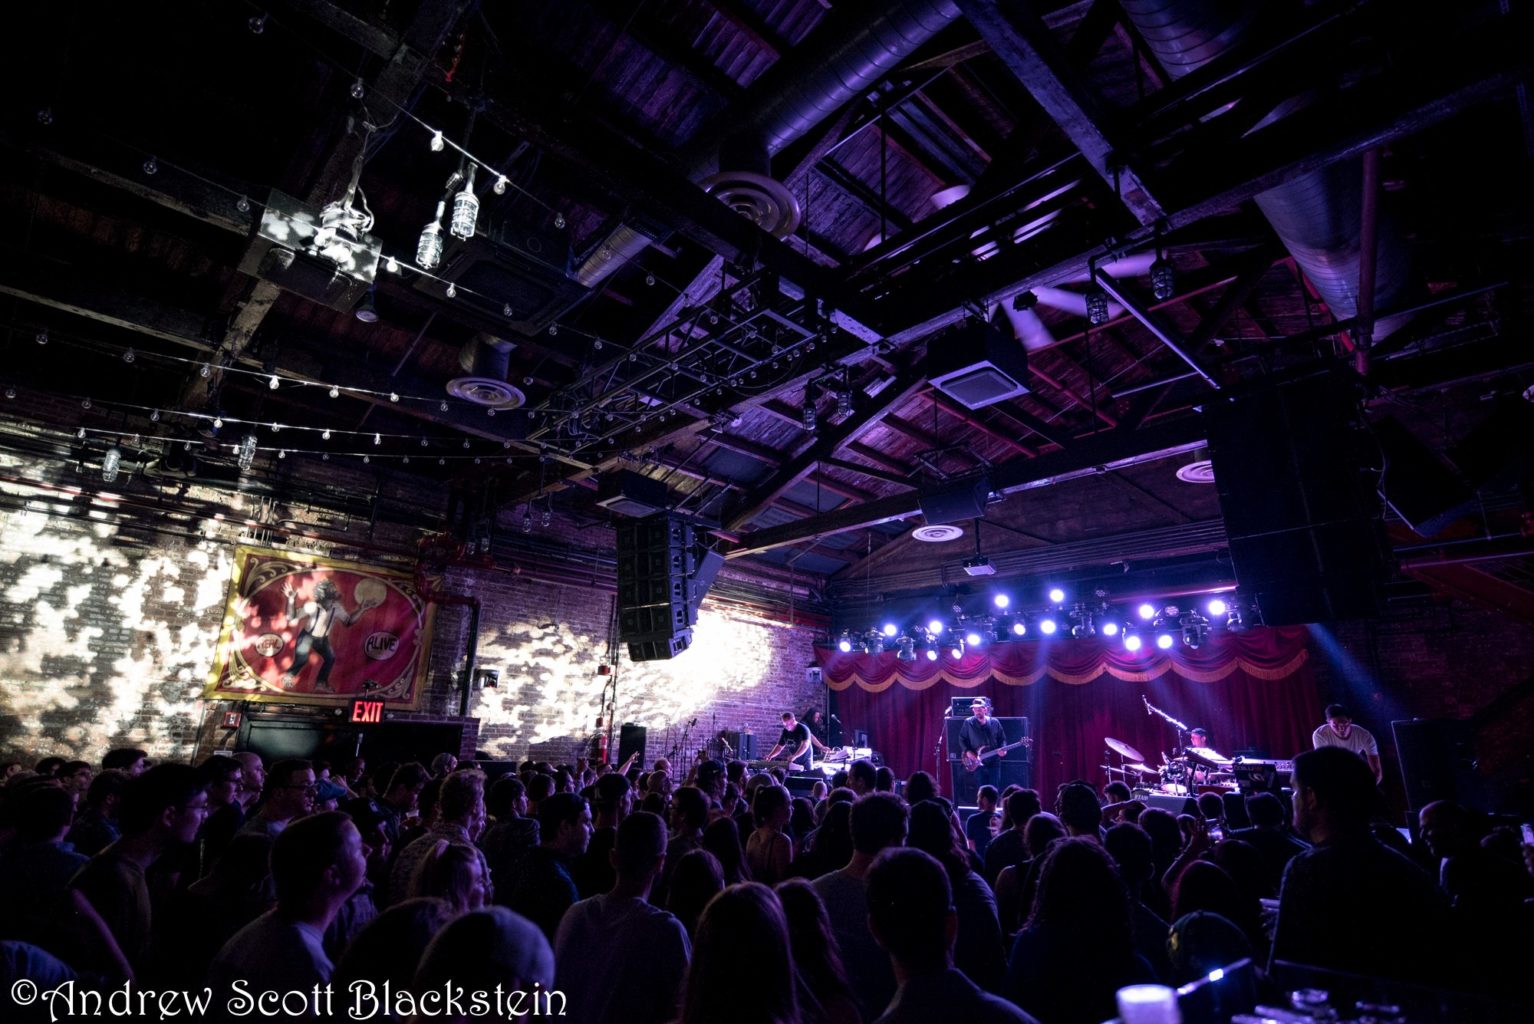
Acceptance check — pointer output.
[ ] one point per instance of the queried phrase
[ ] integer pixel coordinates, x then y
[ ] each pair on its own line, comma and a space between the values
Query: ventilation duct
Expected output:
847, 53
486, 360
1318, 216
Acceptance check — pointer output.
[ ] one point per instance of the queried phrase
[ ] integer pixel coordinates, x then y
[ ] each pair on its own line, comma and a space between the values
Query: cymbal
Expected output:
1137, 767
1123, 749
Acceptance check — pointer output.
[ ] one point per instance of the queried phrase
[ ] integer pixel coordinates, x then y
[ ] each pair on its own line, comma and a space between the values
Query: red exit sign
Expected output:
367, 712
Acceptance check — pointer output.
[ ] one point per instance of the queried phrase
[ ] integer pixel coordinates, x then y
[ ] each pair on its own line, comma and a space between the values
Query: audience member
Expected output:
610, 804
454, 873
722, 839
769, 851
618, 959
696, 879
95, 826
128, 760
912, 918
879, 821
1270, 835
460, 820
978, 826
825, 997
1349, 903
742, 969
977, 949
1008, 848
493, 949
544, 888
388, 949
289, 794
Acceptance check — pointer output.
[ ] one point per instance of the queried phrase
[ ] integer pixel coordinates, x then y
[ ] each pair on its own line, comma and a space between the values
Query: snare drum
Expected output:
1174, 788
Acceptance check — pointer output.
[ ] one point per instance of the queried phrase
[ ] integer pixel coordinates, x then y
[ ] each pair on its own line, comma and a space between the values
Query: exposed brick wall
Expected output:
109, 617
1443, 659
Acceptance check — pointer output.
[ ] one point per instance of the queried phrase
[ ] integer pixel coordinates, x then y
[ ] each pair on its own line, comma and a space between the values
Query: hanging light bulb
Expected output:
335, 392
242, 204
154, 417
452, 290
808, 414
325, 435
649, 280
499, 188
527, 521
42, 336
282, 453
465, 209
129, 356
507, 311
548, 517
428, 250
423, 442
1097, 307
205, 371
391, 265
85, 403
80, 433
442, 407
10, 392
553, 330
45, 116
393, 397
218, 423
110, 463
273, 382
247, 451
405, 460
559, 221
378, 439
257, 23
135, 441
357, 89
364, 459
437, 142
151, 166
1163, 278
843, 402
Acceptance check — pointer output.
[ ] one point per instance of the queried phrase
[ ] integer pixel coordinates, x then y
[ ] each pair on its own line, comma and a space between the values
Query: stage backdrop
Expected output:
1251, 690
302, 629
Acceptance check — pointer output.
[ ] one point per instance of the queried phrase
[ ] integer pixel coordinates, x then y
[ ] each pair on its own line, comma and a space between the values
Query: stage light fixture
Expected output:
1110, 629
1048, 626
1056, 595
1019, 628
1132, 642
905, 649
931, 653
1164, 641
1217, 606
890, 629
844, 643
1147, 611
956, 651
973, 638
1001, 600
935, 627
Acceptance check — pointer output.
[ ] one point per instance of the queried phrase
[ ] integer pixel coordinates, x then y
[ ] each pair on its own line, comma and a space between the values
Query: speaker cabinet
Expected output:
631, 740
1438, 762
1297, 479
663, 573
1016, 767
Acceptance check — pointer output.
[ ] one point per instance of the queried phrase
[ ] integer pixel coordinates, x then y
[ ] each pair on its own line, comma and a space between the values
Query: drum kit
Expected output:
1190, 770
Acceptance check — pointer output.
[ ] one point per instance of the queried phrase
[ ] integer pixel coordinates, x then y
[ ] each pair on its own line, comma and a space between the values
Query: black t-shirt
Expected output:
973, 735
790, 739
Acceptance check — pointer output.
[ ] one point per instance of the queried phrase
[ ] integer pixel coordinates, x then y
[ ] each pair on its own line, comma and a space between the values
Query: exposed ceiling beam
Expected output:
869, 471
1099, 453
1029, 50
1163, 329
875, 558
830, 440
1402, 101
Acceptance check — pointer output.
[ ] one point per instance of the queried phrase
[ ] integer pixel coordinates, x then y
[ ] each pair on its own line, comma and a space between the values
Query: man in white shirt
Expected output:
1339, 731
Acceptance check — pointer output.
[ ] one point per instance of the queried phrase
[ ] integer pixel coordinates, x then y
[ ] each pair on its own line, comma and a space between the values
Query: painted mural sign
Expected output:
304, 629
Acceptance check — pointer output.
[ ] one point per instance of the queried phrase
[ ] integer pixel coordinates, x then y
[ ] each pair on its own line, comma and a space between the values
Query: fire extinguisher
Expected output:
601, 743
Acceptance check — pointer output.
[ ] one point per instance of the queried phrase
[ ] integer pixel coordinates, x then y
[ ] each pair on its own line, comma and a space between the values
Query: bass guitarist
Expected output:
981, 733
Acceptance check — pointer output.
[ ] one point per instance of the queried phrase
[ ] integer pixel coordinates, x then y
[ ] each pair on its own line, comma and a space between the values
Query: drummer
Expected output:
1199, 738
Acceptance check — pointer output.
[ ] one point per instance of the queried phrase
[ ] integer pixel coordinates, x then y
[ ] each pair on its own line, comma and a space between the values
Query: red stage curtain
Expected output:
1250, 690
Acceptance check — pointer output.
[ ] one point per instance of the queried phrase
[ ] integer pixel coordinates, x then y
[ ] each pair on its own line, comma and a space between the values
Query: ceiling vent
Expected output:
325, 256
937, 534
763, 201
977, 365
486, 359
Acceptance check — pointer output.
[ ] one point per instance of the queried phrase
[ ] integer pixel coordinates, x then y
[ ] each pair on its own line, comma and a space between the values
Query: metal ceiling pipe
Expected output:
1318, 216
847, 54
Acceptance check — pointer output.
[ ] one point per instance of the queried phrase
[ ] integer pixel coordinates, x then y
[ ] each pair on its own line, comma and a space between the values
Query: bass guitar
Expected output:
973, 760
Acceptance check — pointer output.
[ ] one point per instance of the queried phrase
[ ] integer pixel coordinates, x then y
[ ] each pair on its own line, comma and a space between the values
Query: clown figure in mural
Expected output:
319, 617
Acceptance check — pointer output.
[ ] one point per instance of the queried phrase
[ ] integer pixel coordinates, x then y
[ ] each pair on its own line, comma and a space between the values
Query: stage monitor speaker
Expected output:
744, 744
1174, 804
1438, 762
1417, 485
1297, 491
631, 740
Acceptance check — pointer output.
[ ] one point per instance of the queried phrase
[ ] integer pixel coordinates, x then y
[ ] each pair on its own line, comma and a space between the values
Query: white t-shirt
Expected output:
1359, 740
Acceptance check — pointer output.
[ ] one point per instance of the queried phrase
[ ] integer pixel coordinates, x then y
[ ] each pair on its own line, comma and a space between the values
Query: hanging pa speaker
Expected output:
955, 502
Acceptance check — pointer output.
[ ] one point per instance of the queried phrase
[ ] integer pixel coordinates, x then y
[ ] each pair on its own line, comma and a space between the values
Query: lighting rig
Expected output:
1059, 616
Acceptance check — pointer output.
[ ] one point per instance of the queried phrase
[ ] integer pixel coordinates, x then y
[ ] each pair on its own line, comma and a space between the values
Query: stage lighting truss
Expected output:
953, 635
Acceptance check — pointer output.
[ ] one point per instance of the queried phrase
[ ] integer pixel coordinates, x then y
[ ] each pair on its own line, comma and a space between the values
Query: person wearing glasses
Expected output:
289, 794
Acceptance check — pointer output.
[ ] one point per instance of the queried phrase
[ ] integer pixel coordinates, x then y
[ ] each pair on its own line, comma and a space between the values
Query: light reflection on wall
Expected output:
67, 687
731, 654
